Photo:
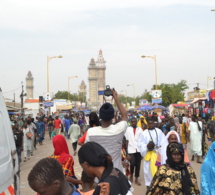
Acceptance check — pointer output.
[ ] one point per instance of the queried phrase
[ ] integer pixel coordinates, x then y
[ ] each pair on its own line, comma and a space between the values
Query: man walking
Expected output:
67, 123
50, 122
132, 136
18, 136
74, 133
57, 125
32, 127
150, 141
40, 130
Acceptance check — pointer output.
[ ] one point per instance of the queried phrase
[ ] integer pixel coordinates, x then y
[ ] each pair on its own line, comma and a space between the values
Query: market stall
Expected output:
178, 109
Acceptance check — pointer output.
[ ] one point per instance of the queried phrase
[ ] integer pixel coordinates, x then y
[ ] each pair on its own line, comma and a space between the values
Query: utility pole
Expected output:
22, 97
214, 82
14, 101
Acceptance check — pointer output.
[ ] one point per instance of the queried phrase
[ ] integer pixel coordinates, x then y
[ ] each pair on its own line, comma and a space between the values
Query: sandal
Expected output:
138, 183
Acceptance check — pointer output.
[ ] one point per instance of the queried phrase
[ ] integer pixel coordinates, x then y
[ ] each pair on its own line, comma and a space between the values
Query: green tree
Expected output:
73, 97
61, 95
172, 93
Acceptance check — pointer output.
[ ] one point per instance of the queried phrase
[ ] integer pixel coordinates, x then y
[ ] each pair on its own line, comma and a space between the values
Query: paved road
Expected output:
47, 149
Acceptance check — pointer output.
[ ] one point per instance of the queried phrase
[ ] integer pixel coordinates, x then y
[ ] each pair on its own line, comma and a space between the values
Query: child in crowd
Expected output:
87, 185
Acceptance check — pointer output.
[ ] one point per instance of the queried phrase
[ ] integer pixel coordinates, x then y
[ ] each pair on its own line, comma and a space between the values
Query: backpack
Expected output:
18, 138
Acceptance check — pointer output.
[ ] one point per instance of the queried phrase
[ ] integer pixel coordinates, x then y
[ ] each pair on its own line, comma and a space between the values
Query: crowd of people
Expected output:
112, 148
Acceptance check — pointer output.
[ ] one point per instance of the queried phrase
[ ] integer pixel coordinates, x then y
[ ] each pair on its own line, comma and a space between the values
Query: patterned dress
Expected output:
67, 167
168, 182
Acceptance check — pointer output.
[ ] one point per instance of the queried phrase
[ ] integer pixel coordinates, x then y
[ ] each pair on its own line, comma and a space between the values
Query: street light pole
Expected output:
47, 69
208, 78
68, 84
133, 92
155, 60
125, 96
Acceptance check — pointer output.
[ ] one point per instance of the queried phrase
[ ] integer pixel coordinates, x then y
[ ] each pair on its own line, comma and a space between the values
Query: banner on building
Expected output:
156, 96
143, 102
191, 95
48, 104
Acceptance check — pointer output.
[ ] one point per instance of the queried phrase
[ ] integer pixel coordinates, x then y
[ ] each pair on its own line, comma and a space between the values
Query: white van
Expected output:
9, 166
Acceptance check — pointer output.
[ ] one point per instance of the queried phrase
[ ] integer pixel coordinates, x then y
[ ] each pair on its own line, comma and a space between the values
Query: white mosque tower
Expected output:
100, 64
29, 85
96, 80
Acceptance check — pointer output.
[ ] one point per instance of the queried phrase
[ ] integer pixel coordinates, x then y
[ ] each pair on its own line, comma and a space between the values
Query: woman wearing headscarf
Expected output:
208, 172
96, 162
172, 136
61, 153
175, 177
195, 131
142, 123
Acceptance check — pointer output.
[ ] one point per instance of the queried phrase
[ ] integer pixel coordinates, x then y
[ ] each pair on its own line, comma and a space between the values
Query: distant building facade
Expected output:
29, 85
96, 71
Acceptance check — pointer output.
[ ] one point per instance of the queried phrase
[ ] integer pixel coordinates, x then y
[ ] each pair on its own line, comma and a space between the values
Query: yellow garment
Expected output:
184, 134
152, 157
139, 124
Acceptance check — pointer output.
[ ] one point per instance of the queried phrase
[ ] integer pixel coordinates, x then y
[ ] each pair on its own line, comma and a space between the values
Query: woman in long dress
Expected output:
27, 142
195, 129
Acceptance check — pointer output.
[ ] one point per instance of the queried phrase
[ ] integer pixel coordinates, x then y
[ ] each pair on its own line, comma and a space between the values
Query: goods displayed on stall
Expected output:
203, 107
178, 109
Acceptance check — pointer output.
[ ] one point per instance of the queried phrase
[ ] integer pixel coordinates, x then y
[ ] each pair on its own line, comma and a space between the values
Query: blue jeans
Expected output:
19, 151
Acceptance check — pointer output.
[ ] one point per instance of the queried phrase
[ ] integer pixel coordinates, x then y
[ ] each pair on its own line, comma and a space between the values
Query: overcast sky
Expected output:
180, 32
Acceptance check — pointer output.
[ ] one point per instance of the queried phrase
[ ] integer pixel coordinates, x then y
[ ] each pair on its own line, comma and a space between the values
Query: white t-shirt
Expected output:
109, 138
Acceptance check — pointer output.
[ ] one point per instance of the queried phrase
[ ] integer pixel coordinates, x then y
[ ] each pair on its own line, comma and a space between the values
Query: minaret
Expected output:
100, 64
82, 89
29, 85
93, 85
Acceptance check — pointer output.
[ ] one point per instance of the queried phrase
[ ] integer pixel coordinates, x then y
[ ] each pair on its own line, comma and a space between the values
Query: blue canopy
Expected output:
159, 106
12, 113
145, 107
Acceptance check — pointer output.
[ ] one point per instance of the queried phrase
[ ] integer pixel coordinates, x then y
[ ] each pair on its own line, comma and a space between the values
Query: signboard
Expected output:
158, 110
143, 102
156, 96
59, 102
196, 94
47, 97
48, 104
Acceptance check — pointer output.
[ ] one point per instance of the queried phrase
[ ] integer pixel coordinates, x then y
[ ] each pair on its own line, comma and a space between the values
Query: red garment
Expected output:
134, 129
82, 139
61, 148
57, 123
212, 95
